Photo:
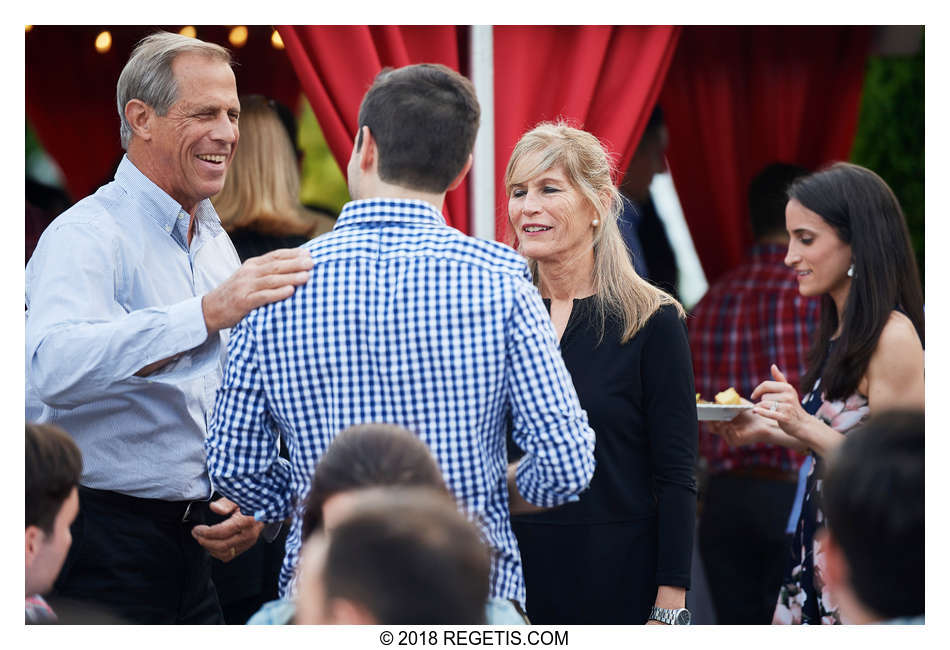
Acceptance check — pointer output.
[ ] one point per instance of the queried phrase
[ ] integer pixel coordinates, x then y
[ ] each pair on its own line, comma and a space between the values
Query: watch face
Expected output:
683, 617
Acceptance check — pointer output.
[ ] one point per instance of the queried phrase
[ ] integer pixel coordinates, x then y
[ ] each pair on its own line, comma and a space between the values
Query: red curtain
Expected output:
336, 64
738, 98
602, 79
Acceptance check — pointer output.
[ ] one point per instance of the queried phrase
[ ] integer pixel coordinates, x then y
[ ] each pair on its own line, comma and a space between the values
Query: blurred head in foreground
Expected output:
398, 556
53, 467
874, 503
362, 456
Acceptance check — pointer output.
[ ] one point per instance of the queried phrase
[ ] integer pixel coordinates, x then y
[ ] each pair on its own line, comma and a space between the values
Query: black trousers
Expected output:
136, 559
251, 579
743, 545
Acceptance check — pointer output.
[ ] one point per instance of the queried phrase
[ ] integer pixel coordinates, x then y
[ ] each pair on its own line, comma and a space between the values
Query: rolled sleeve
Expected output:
548, 421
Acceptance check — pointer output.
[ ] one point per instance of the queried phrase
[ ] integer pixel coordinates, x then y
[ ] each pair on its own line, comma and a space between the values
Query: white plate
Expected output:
719, 412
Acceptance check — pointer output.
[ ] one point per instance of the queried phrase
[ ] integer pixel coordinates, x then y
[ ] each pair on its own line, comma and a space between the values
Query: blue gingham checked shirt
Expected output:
404, 320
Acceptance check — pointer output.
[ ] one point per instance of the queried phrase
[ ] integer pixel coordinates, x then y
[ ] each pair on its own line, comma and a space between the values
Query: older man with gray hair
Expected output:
130, 295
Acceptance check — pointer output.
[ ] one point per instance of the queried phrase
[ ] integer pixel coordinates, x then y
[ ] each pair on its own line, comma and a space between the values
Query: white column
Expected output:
482, 199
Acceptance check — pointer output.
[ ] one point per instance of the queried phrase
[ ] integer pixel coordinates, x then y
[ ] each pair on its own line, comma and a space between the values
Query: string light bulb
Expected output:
238, 36
103, 42
189, 31
276, 40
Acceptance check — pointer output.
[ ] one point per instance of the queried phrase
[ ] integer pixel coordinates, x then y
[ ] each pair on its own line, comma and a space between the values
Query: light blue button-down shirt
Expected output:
114, 286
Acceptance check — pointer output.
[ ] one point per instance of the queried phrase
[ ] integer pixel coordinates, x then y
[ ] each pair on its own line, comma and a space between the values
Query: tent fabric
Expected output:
337, 64
602, 79
735, 98
739, 98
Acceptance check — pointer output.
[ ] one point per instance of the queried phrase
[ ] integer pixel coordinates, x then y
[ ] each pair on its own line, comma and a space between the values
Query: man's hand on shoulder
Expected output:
260, 281
228, 539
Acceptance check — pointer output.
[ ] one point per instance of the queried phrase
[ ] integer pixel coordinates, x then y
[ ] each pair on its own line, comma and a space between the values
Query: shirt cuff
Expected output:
526, 479
187, 320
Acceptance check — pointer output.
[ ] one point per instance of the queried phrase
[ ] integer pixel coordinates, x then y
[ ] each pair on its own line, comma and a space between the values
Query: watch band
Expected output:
670, 616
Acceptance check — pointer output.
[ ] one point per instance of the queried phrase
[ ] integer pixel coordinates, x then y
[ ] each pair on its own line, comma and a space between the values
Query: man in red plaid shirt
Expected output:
751, 317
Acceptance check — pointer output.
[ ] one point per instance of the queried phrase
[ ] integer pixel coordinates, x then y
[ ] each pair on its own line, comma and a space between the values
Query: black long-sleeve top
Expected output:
641, 404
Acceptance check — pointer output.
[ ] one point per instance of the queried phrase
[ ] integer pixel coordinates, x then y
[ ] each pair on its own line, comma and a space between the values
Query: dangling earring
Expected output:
595, 223
851, 270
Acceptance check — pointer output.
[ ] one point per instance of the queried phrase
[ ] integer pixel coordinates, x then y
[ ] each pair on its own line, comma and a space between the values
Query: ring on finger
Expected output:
774, 407
233, 552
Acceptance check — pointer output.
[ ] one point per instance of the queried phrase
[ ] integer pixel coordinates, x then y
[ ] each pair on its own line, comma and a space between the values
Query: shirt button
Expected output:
168, 228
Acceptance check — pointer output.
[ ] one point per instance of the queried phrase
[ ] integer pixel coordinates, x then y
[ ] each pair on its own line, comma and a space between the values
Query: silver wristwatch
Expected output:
679, 616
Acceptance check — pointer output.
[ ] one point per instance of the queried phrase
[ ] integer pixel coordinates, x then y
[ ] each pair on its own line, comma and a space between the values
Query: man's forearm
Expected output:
80, 362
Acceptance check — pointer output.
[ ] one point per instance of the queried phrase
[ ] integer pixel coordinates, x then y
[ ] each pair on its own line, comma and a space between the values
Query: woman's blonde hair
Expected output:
262, 188
619, 291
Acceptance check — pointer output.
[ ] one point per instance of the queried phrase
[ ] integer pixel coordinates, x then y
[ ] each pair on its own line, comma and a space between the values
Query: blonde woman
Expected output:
259, 204
621, 554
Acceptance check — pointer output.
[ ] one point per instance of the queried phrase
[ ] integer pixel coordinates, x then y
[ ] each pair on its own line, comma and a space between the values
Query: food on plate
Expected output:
728, 397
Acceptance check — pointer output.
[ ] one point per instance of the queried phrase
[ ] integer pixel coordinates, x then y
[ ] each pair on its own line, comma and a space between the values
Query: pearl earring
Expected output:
595, 223
851, 271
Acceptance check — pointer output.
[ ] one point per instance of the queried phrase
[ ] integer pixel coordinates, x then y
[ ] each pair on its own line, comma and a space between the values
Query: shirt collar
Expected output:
382, 210
158, 205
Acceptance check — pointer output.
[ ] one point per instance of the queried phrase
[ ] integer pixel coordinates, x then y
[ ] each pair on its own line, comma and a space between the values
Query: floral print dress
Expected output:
803, 598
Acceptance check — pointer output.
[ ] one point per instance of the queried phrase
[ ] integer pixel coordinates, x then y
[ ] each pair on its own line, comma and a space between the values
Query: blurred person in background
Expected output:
640, 224
259, 204
848, 244
751, 317
873, 541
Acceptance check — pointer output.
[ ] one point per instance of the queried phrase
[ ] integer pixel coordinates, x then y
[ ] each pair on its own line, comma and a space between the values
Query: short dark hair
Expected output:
368, 455
768, 196
410, 558
53, 468
873, 498
866, 215
424, 119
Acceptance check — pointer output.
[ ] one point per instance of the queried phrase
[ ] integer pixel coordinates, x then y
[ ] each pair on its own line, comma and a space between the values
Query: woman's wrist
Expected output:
823, 439
669, 597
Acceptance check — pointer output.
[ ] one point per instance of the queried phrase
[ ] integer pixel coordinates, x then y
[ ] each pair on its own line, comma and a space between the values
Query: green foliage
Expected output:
321, 181
32, 144
890, 137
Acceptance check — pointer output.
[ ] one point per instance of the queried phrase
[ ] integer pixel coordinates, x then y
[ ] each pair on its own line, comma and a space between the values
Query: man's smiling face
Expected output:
194, 143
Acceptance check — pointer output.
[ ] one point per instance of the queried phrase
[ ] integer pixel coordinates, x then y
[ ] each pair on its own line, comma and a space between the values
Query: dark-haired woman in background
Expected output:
849, 244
